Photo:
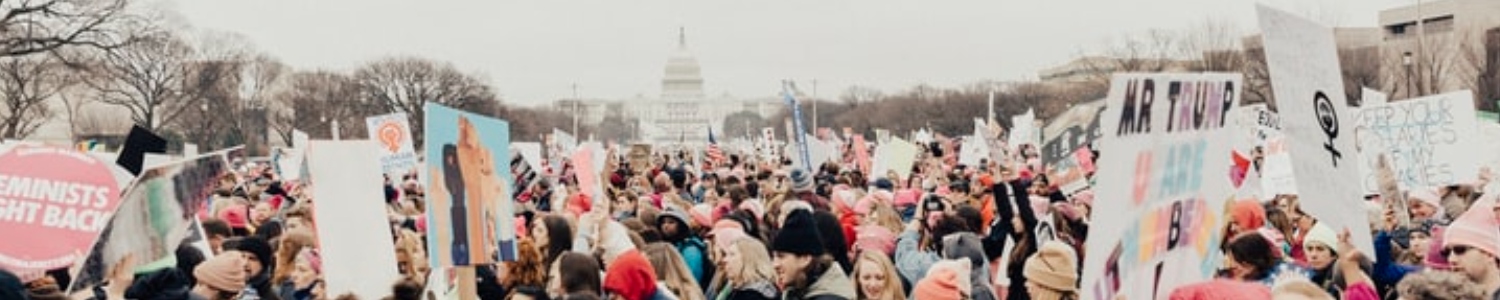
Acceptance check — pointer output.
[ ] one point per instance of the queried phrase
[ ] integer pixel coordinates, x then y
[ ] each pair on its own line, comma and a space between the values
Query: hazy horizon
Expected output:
533, 53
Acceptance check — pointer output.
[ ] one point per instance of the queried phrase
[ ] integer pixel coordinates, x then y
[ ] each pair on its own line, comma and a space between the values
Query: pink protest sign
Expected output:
53, 203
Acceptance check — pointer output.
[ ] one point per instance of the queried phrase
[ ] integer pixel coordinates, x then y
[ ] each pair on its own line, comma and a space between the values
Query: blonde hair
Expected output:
885, 216
893, 290
755, 262
1300, 287
671, 270
409, 250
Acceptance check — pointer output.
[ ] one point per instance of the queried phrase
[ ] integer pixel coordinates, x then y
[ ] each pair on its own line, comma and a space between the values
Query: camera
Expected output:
933, 203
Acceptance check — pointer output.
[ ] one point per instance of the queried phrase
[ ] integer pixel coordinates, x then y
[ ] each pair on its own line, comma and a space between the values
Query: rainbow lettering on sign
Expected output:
1185, 225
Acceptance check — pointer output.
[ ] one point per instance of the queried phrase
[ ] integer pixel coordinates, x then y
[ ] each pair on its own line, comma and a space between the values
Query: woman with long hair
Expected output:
748, 272
876, 277
292, 243
1251, 256
671, 271
551, 236
527, 271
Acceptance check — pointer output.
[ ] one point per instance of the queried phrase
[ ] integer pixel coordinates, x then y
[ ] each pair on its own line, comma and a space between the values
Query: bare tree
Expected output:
405, 84
855, 95
146, 79
1361, 69
45, 26
1215, 43
1435, 63
27, 83
315, 100
1487, 88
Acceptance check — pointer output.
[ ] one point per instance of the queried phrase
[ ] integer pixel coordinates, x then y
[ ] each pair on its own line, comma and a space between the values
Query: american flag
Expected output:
715, 155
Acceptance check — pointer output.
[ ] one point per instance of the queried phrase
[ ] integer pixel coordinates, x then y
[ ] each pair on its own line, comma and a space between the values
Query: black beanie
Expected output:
799, 235
833, 239
255, 246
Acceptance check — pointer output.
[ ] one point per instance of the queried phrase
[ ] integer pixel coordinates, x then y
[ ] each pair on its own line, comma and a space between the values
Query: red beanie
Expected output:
1248, 214
235, 216
630, 276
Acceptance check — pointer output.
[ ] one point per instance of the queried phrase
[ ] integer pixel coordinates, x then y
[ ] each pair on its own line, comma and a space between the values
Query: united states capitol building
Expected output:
682, 113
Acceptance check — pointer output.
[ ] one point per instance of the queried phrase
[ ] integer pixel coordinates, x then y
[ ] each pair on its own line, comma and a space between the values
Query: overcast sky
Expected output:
534, 51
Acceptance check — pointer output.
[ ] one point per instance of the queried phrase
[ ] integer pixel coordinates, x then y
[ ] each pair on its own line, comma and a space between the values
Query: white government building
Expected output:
682, 113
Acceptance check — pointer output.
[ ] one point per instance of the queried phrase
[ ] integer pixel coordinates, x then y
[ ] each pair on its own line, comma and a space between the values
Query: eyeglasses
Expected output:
1456, 250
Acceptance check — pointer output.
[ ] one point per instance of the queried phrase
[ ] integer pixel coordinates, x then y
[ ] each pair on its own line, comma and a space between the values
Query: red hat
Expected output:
630, 276
235, 216
1248, 214
580, 204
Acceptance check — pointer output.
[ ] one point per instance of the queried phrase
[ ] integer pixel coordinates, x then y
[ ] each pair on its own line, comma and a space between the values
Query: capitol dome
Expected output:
682, 79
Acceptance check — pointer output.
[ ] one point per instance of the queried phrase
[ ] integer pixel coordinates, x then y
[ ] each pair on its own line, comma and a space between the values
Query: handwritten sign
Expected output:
1302, 59
1430, 141
1168, 144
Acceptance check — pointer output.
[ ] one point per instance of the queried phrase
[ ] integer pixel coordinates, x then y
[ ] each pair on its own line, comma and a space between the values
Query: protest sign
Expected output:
155, 215
1068, 174
767, 143
523, 177
469, 213
1023, 129
973, 150
1429, 140
1369, 97
897, 156
356, 259
392, 134
861, 154
588, 178
1489, 143
51, 214
1302, 59
139, 142
1167, 139
530, 151
299, 139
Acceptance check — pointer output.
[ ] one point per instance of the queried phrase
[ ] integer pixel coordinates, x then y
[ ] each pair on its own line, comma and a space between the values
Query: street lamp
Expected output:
1406, 61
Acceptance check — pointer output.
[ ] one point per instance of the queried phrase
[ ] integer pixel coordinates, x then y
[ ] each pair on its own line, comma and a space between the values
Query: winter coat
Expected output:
832, 285
760, 290
695, 256
912, 262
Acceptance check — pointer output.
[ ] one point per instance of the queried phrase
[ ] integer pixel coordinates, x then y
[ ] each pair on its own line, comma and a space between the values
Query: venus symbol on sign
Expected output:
390, 135
1329, 120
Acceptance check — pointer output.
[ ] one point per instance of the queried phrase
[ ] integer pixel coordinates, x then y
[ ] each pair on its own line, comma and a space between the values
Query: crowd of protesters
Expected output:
745, 227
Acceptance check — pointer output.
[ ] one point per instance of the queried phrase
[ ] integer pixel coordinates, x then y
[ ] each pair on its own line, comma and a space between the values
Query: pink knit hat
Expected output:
702, 214
1475, 228
755, 207
1435, 259
727, 231
1429, 198
907, 197
875, 237
1222, 289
